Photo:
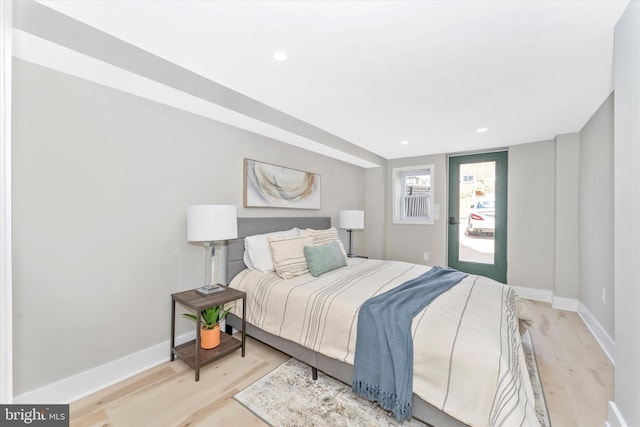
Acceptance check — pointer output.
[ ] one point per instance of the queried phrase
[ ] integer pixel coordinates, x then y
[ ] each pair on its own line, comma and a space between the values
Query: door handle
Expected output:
452, 220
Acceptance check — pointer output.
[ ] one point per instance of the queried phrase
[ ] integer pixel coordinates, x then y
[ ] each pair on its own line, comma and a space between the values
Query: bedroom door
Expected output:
478, 214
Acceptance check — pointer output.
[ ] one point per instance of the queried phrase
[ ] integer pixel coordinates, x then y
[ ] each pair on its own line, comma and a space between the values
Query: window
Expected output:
468, 178
413, 195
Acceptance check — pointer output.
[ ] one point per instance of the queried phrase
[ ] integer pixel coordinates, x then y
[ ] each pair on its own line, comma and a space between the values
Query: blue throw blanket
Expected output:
383, 365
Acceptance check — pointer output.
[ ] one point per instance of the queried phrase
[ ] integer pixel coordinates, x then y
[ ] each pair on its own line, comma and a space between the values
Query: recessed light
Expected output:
404, 142
280, 55
482, 130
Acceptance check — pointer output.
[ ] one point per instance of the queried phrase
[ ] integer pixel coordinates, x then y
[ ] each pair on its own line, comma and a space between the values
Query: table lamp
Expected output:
209, 224
351, 220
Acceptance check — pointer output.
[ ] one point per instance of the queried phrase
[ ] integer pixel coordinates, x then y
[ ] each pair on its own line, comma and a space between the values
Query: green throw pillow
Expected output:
322, 259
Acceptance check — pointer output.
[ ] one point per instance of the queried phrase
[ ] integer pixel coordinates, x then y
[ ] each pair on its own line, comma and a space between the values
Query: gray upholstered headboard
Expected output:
250, 226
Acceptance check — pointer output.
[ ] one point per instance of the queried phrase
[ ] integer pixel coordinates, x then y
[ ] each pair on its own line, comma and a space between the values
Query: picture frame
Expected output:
273, 186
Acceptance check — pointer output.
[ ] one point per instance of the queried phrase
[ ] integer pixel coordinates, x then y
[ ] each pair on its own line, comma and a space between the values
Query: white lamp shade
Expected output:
209, 223
352, 220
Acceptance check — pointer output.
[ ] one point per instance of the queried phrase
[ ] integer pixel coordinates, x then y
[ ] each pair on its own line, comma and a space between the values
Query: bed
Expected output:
473, 376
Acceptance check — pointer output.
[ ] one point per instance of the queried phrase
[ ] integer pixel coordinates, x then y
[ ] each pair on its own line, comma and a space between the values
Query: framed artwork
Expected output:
272, 186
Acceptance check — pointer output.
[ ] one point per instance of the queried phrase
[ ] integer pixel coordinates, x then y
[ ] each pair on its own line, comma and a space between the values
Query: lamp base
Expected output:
208, 290
350, 254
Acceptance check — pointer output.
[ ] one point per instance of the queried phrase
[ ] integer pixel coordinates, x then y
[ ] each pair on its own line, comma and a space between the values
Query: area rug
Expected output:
536, 383
288, 396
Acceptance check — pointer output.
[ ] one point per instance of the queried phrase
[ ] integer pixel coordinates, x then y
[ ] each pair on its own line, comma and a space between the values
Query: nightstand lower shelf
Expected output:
187, 351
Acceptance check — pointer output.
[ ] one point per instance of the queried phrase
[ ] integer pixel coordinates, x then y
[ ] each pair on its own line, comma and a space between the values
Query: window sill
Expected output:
413, 221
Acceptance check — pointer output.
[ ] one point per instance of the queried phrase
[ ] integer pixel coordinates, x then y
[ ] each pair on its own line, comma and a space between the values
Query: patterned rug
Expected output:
536, 383
288, 396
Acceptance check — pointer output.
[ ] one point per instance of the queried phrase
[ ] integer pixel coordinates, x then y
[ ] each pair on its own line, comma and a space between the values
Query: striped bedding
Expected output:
468, 358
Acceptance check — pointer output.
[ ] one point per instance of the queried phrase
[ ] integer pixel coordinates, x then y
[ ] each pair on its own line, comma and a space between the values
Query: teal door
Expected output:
478, 214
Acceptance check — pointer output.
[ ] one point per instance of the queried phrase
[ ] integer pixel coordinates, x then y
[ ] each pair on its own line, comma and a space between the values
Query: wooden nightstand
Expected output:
190, 351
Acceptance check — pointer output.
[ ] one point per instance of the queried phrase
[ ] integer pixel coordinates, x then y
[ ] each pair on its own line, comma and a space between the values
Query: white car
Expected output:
482, 217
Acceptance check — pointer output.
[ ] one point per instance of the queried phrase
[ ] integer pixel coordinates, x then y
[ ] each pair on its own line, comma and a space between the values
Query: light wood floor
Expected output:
577, 378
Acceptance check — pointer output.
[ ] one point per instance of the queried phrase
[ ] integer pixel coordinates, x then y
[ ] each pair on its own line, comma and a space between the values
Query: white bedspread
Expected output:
468, 358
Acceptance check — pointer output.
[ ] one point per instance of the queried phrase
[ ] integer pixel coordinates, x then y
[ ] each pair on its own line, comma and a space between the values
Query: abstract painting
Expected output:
272, 186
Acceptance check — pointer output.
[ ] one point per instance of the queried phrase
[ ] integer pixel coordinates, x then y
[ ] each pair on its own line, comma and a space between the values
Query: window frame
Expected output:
398, 180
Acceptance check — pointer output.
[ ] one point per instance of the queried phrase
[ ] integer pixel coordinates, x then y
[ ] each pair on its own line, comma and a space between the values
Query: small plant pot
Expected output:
210, 338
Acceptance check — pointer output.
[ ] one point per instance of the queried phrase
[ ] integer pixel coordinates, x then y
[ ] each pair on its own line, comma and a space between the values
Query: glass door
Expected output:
478, 214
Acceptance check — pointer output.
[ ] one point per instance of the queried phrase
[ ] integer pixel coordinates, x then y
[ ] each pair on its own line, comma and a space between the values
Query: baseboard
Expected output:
615, 418
82, 384
607, 343
533, 294
562, 303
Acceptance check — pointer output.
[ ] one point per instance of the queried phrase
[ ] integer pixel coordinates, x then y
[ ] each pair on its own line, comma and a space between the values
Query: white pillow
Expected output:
259, 251
324, 237
247, 260
288, 254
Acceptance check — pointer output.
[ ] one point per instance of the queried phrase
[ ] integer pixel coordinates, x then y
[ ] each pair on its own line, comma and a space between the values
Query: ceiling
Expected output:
375, 73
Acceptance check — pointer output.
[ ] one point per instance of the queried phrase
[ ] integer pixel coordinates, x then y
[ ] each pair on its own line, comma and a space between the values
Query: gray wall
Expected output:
567, 236
408, 242
547, 179
531, 215
102, 180
627, 212
543, 238
596, 215
375, 218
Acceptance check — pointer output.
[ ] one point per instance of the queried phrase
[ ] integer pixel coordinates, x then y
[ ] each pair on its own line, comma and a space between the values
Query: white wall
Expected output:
102, 180
627, 212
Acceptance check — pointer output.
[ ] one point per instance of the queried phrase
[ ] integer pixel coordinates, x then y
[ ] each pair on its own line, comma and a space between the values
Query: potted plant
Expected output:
210, 318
